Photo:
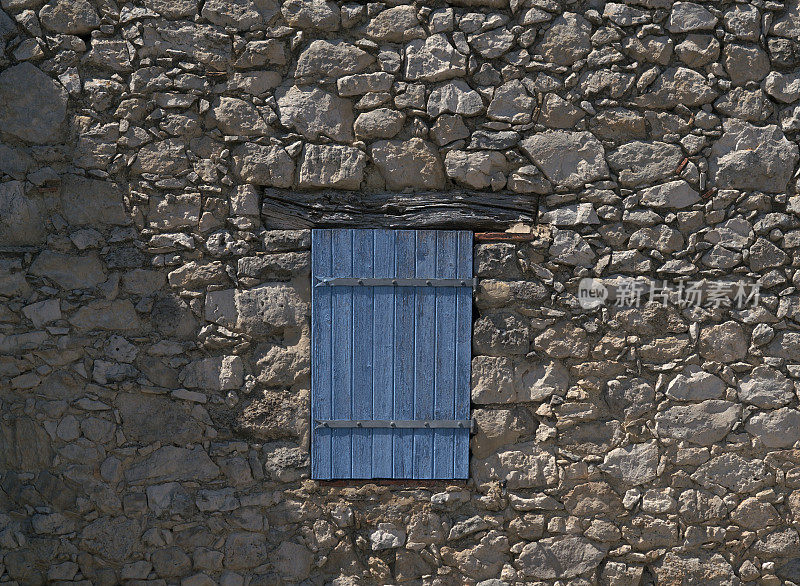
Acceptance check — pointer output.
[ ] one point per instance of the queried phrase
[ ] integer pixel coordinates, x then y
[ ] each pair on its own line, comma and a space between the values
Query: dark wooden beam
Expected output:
284, 209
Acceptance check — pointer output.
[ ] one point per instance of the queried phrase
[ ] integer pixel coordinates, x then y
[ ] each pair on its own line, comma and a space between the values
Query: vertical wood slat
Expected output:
383, 353
387, 352
445, 353
321, 332
404, 355
463, 354
424, 350
342, 353
363, 314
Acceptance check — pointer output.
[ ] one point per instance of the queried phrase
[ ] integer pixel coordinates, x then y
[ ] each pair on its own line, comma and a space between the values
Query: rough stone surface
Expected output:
36, 115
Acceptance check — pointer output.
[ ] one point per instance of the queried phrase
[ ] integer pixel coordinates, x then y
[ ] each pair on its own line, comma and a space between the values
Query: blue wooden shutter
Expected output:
383, 352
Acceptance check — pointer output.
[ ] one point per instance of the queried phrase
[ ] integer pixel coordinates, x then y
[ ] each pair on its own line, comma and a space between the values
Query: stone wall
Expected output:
154, 323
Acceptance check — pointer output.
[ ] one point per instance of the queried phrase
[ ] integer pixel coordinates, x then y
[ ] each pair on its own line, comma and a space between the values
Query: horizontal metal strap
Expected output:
396, 423
395, 282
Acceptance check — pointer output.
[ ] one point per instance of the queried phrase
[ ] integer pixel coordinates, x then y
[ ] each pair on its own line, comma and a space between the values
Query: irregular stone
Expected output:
494, 428
118, 315
477, 169
492, 380
634, 464
38, 114
710, 571
776, 429
639, 162
147, 419
511, 103
331, 59
748, 105
492, 44
236, 117
90, 201
675, 195
112, 538
567, 40
694, 384
292, 561
166, 157
698, 50
239, 14
311, 14
783, 87
77, 17
454, 97
433, 59
412, 163
332, 166
564, 556
703, 423
559, 113
564, 340
523, 466
258, 164
765, 255
69, 271
395, 25
25, 445
171, 463
570, 248
244, 550
364, 83
765, 153
688, 16
173, 8
677, 85
314, 112
724, 342
387, 536
755, 515
570, 159
593, 499
766, 387
733, 472
21, 221
745, 63
539, 381
217, 373
379, 123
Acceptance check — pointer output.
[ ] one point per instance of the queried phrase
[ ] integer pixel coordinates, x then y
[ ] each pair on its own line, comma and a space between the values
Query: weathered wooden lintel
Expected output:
283, 209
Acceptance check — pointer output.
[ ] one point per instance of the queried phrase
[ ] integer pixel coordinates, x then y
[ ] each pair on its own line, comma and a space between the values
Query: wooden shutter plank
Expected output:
424, 347
321, 299
403, 439
463, 351
383, 353
444, 395
342, 353
362, 352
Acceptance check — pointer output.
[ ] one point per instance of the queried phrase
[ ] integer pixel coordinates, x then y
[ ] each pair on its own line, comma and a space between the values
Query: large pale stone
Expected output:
174, 211
634, 464
709, 571
541, 380
523, 466
238, 118
766, 387
118, 315
76, 17
567, 40
694, 384
433, 59
675, 194
239, 14
688, 16
147, 419
93, 202
567, 158
331, 59
454, 97
745, 63
332, 166
38, 113
776, 429
511, 103
259, 164
492, 380
477, 169
412, 163
678, 85
218, 373
395, 25
173, 8
322, 15
165, 157
262, 310
641, 163
313, 112
703, 423
21, 220
560, 557
725, 342
752, 158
